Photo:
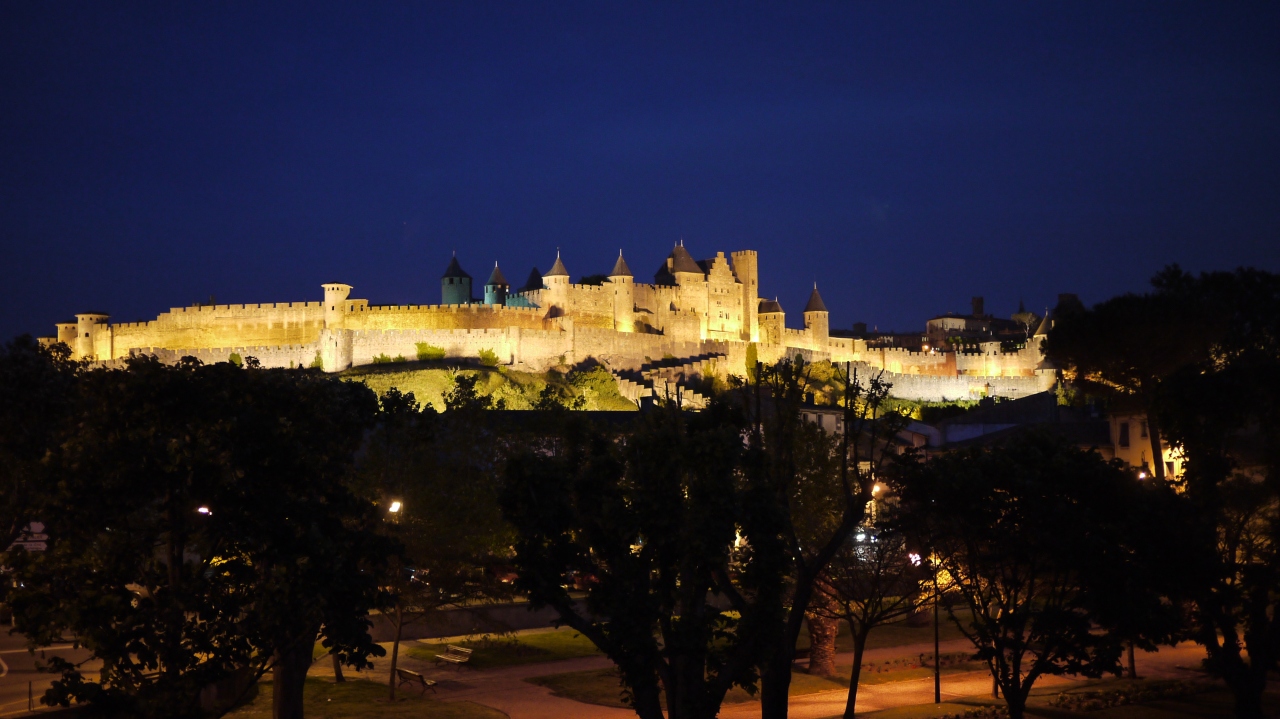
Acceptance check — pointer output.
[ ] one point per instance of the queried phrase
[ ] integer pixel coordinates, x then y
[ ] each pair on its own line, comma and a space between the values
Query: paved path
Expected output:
18, 675
505, 689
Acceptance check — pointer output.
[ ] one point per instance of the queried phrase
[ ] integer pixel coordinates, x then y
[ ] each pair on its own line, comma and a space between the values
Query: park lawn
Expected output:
524, 648
361, 698
1209, 705
601, 686
891, 635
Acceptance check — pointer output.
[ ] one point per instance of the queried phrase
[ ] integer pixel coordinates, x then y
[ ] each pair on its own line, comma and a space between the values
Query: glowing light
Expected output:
914, 559
203, 510
875, 489
860, 537
1142, 475
395, 506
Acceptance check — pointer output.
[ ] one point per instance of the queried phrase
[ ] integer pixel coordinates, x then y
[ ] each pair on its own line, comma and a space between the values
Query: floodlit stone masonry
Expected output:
692, 309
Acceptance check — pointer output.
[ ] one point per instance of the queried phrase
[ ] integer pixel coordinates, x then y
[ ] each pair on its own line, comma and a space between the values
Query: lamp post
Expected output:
937, 660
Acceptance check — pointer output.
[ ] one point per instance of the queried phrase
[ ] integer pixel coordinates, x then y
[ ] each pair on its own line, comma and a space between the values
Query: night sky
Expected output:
906, 157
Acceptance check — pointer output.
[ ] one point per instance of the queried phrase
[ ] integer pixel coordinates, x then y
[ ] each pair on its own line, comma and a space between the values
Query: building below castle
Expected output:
696, 313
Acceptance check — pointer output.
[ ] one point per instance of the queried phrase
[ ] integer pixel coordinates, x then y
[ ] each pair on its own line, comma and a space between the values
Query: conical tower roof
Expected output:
534, 282
767, 306
1045, 325
815, 301
557, 270
496, 278
455, 269
682, 261
620, 268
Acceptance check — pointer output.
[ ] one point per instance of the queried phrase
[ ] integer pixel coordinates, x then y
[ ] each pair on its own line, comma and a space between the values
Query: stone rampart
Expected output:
943, 389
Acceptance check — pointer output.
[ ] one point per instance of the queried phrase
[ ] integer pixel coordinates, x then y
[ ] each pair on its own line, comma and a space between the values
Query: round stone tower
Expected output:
557, 283
624, 300
90, 327
772, 321
495, 290
335, 304
816, 320
455, 285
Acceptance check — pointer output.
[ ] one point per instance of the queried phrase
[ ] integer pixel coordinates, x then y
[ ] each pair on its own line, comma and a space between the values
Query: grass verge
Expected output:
530, 648
362, 698
891, 635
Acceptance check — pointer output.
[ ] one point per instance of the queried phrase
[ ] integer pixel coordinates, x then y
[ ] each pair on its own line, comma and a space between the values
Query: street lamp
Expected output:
395, 506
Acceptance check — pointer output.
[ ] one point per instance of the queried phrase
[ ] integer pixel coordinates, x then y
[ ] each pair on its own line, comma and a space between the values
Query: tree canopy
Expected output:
203, 532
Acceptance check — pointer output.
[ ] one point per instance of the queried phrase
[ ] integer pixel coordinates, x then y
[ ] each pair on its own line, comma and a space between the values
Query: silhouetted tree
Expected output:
643, 521
441, 469
37, 387
806, 492
872, 581
203, 532
1029, 535
1123, 349
1223, 412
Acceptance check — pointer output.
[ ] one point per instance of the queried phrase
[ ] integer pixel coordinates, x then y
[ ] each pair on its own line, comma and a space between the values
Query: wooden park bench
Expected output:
404, 676
456, 656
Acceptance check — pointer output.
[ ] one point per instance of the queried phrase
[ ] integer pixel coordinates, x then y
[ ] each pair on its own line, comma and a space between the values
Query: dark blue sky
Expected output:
904, 156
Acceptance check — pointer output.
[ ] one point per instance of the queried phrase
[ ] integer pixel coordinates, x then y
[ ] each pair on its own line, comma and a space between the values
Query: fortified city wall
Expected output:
693, 309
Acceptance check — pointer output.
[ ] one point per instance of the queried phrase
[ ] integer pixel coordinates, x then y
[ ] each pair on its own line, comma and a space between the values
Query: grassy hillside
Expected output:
428, 381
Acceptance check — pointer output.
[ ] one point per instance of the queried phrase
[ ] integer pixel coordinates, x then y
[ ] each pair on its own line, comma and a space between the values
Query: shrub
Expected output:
1139, 694
488, 358
427, 352
382, 359
235, 359
318, 362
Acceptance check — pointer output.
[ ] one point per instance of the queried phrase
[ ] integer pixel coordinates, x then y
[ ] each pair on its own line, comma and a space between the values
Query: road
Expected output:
18, 674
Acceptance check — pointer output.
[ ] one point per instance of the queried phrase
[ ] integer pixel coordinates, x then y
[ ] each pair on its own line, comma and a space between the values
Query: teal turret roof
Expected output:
620, 268
496, 278
557, 270
455, 269
815, 301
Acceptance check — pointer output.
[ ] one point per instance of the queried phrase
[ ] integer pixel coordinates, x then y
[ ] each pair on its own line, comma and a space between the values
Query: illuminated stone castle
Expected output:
694, 312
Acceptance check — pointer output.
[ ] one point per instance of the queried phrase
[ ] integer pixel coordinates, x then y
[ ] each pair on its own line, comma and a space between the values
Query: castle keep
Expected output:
703, 313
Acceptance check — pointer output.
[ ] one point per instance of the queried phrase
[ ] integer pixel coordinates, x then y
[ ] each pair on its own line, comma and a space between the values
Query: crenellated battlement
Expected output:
691, 309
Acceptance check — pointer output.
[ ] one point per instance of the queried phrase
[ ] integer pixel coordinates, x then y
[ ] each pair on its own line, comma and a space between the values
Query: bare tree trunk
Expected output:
775, 683
395, 650
289, 677
859, 648
822, 644
1157, 450
337, 669
1133, 664
1015, 696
